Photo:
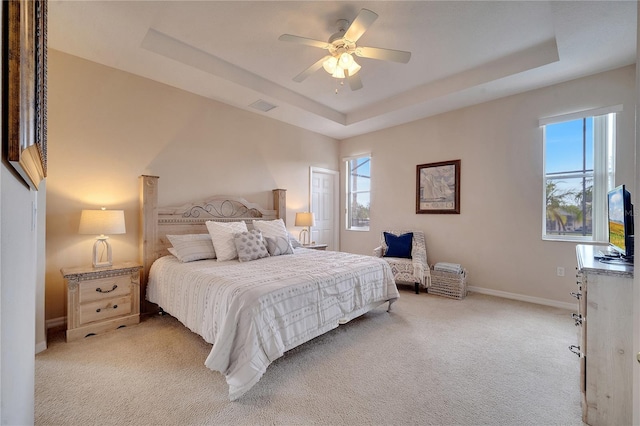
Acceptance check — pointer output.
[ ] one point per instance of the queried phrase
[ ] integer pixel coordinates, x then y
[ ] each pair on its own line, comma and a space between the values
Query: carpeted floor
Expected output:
431, 361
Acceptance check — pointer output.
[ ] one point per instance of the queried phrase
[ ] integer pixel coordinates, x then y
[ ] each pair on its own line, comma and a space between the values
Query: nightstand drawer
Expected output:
103, 309
105, 288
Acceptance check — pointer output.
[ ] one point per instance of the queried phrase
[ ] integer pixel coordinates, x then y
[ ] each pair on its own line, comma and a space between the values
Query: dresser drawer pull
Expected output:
577, 318
114, 307
575, 349
99, 290
576, 295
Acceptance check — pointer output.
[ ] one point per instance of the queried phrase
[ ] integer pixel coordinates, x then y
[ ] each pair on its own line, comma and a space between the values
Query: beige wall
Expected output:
107, 127
497, 236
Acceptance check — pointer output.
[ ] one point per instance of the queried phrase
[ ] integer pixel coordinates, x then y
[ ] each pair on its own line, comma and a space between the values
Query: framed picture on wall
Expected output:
25, 65
438, 187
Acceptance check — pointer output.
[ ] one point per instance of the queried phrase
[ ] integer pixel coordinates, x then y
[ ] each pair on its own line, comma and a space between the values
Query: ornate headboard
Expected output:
156, 223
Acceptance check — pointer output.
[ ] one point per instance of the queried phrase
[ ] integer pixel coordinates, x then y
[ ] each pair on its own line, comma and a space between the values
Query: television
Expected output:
620, 215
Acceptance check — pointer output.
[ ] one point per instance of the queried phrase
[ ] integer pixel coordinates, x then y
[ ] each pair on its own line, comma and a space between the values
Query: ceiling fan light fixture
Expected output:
346, 60
338, 73
330, 65
353, 68
336, 65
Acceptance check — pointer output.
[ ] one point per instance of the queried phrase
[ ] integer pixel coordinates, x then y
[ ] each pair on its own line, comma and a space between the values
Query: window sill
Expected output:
358, 229
570, 239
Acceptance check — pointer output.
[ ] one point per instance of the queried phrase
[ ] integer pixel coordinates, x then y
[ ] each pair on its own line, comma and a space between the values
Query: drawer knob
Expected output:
99, 290
114, 307
577, 318
575, 349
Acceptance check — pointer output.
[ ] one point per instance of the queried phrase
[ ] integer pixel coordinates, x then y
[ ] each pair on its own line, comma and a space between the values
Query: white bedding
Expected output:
252, 312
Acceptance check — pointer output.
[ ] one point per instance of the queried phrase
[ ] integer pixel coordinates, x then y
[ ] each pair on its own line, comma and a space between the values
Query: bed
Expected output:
251, 312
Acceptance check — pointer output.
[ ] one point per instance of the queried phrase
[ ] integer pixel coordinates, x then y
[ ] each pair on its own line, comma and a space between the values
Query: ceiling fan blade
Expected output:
313, 68
304, 40
354, 81
383, 54
359, 25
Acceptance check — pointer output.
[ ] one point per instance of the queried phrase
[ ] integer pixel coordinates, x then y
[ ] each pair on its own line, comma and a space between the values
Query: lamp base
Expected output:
302, 238
101, 242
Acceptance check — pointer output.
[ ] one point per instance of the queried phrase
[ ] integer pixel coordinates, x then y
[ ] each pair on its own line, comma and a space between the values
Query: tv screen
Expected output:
620, 211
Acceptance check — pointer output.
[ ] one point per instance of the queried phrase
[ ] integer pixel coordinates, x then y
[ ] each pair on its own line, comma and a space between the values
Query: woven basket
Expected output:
448, 284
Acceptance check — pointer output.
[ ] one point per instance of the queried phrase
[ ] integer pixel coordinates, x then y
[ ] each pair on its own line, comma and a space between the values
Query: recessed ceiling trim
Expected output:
167, 46
536, 56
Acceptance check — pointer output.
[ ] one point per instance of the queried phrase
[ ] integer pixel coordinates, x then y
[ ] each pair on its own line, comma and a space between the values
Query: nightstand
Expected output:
315, 246
101, 299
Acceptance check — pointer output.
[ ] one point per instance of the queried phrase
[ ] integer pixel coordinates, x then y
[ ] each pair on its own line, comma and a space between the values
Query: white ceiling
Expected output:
463, 52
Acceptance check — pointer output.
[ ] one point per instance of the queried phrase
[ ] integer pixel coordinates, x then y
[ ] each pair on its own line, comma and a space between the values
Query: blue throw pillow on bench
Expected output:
398, 245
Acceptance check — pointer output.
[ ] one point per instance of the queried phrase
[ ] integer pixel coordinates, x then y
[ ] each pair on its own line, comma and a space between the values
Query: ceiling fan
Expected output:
342, 46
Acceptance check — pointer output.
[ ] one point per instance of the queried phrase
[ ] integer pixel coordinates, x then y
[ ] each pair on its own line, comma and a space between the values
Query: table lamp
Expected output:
102, 223
306, 219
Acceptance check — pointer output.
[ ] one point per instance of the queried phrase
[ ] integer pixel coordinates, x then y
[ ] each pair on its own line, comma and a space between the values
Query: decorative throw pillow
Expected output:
274, 229
278, 246
190, 247
222, 236
250, 245
398, 245
294, 241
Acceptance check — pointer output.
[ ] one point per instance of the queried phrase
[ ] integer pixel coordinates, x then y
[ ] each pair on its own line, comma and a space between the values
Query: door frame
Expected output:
336, 200
636, 276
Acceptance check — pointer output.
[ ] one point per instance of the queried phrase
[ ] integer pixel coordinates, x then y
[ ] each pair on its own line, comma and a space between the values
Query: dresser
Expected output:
604, 319
101, 299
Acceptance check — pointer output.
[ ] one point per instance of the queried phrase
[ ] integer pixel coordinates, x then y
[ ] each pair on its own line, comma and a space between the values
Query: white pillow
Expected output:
222, 237
190, 247
250, 245
274, 229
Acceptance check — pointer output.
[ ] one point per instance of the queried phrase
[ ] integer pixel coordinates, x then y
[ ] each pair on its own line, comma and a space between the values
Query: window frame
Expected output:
604, 147
348, 193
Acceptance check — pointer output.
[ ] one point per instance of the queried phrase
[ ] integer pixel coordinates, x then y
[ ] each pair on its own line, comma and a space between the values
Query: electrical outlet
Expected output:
560, 271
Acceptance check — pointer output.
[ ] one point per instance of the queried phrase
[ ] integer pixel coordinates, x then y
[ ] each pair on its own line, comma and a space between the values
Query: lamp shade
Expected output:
305, 219
102, 222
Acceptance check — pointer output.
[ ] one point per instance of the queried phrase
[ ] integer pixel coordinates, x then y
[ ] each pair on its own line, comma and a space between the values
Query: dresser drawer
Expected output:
104, 288
104, 309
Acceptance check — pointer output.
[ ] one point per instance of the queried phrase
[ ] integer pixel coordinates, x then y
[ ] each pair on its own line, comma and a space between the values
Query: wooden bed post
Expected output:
148, 231
280, 203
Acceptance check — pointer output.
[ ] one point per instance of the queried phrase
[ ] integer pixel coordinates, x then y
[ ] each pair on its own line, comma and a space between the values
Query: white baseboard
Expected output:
41, 347
56, 322
523, 298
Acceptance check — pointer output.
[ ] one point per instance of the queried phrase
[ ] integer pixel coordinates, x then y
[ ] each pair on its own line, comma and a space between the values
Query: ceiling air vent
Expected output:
263, 106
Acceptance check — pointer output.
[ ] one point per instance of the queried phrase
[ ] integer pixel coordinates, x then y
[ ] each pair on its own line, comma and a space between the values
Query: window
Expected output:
358, 192
579, 170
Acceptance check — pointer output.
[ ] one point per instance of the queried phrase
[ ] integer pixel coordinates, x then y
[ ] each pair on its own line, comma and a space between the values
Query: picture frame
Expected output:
25, 68
438, 187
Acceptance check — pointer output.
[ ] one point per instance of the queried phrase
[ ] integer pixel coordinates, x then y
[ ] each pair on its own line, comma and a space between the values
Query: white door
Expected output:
325, 205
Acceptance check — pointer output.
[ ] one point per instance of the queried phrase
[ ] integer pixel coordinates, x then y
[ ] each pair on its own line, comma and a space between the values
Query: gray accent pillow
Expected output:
250, 245
294, 241
278, 246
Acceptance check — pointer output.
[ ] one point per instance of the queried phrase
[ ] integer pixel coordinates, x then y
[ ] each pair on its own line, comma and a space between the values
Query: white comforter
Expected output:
252, 312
